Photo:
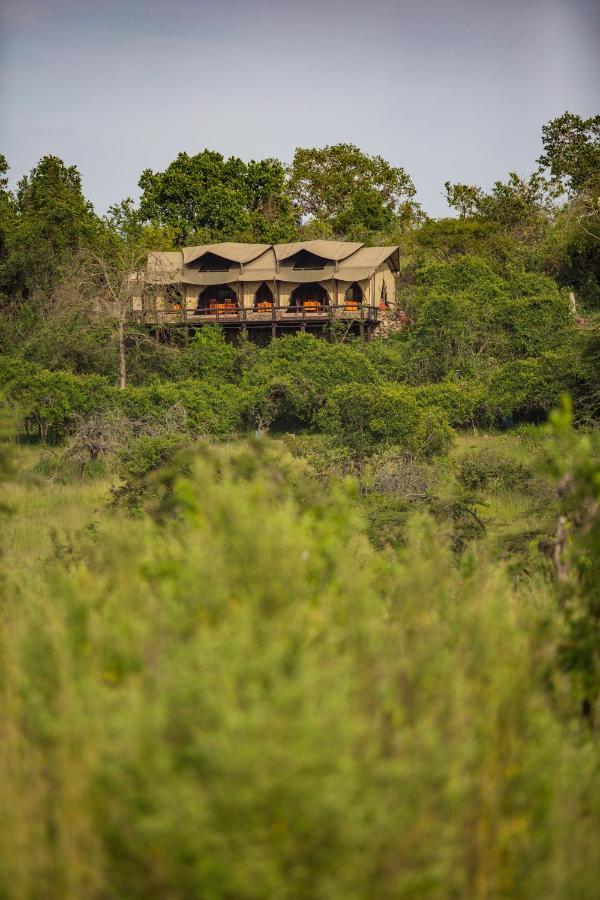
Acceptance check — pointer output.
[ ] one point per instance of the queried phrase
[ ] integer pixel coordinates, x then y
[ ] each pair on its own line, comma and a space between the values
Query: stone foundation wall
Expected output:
391, 322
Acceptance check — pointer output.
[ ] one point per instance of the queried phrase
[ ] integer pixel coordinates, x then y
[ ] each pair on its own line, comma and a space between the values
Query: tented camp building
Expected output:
279, 287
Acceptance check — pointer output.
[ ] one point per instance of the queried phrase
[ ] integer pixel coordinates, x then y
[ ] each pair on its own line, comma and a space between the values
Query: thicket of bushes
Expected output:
481, 349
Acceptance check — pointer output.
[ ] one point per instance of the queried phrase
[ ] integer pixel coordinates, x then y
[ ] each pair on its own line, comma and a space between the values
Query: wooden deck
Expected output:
274, 317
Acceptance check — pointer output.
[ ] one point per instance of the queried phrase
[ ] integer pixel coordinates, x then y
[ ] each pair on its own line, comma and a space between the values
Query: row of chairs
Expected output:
231, 308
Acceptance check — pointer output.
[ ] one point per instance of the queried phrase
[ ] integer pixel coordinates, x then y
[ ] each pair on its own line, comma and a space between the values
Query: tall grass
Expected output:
250, 701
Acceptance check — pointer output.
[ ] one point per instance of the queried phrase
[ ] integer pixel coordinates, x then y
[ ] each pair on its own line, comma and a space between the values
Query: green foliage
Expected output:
572, 156
527, 389
518, 203
210, 357
52, 222
467, 318
251, 701
352, 193
52, 400
139, 462
481, 469
446, 238
294, 376
364, 417
575, 461
391, 357
8, 211
206, 198
572, 150
387, 517
462, 402
7, 450
206, 408
125, 221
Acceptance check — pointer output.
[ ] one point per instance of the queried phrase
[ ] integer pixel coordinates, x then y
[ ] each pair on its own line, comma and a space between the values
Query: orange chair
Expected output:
312, 305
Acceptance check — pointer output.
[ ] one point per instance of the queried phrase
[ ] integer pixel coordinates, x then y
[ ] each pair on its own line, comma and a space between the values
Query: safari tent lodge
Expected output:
273, 289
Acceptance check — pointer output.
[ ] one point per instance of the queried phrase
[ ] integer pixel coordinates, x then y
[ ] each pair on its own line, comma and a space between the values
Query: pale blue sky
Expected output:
449, 89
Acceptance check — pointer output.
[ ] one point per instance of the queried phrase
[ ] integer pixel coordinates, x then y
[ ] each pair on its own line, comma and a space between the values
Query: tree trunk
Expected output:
122, 368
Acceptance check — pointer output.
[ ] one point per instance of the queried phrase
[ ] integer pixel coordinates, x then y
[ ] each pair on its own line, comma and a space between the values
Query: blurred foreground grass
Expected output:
248, 700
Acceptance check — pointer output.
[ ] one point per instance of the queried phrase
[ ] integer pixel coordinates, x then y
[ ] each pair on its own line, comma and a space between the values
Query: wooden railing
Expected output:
228, 313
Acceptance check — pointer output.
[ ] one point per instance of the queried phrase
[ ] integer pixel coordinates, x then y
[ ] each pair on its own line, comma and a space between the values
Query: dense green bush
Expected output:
210, 356
461, 401
467, 316
139, 461
207, 408
365, 416
387, 516
250, 701
390, 357
305, 369
54, 401
51, 401
481, 469
527, 389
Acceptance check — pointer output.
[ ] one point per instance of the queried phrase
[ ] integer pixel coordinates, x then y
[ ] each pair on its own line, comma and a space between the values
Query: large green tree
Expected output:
572, 158
572, 151
206, 197
517, 204
126, 226
7, 209
354, 194
52, 221
511, 224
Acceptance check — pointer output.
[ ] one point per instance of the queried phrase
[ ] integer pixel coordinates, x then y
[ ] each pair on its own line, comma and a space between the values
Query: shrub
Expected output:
209, 409
467, 317
460, 401
390, 357
53, 401
138, 462
486, 468
527, 389
363, 417
210, 357
387, 517
305, 370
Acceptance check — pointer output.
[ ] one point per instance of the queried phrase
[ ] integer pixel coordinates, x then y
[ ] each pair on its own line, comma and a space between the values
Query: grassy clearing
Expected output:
43, 508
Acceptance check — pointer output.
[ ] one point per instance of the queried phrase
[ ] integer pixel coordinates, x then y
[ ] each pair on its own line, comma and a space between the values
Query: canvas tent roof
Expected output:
332, 250
239, 253
346, 261
363, 263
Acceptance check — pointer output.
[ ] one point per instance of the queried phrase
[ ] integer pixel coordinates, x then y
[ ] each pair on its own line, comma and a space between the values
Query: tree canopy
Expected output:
572, 151
351, 192
207, 198
51, 220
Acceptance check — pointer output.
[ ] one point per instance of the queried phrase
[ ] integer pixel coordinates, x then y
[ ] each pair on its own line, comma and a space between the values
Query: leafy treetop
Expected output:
349, 190
205, 198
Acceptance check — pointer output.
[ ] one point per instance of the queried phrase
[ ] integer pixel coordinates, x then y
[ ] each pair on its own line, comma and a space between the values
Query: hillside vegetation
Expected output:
315, 619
